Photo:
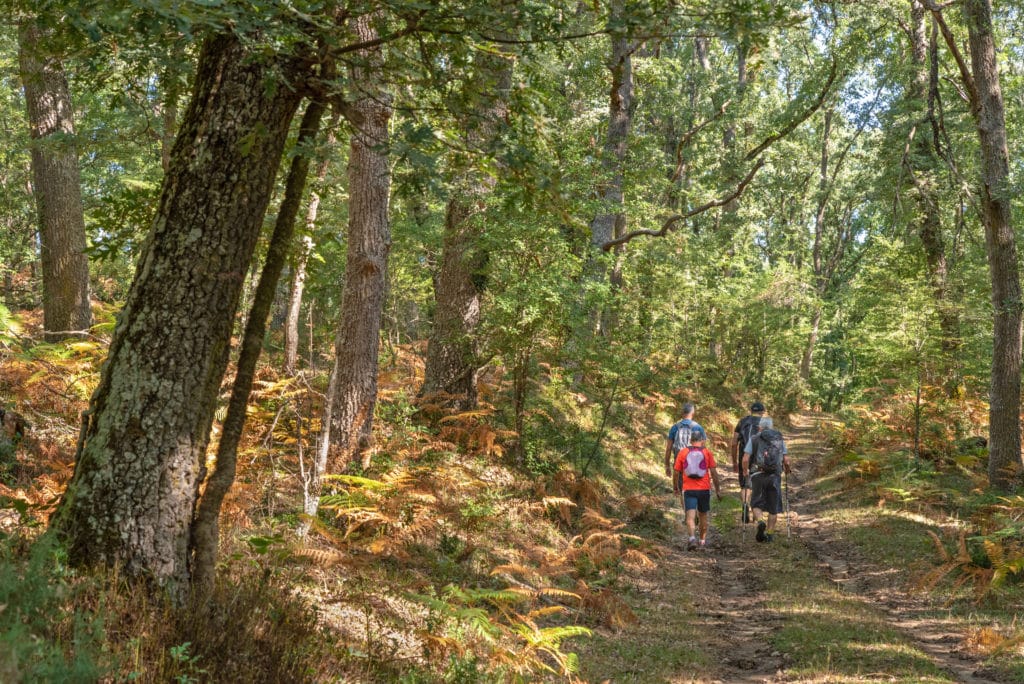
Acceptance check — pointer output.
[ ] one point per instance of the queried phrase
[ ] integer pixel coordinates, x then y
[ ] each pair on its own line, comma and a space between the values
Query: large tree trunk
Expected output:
610, 223
821, 279
304, 251
451, 364
1004, 397
922, 164
205, 530
452, 356
369, 241
143, 446
56, 185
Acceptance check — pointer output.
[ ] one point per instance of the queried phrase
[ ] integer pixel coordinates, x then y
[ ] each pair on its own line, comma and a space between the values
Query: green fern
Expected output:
357, 481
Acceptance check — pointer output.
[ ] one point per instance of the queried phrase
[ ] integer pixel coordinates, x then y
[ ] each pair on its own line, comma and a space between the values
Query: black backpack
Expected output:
748, 430
770, 451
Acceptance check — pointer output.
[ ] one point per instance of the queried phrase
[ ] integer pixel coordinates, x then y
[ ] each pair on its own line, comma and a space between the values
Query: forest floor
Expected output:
822, 603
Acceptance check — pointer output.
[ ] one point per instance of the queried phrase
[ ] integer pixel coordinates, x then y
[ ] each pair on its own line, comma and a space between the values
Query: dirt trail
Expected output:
735, 611
876, 586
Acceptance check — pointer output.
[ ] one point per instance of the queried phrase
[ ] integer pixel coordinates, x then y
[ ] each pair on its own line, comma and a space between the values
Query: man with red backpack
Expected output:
744, 432
695, 468
764, 459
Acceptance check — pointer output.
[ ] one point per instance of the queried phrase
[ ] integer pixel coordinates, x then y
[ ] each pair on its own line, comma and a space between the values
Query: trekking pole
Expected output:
785, 502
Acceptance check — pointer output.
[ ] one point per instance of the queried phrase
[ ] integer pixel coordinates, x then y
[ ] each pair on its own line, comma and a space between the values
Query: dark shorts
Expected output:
766, 493
697, 499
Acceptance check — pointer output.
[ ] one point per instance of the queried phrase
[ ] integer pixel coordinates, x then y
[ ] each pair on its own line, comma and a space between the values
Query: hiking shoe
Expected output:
703, 544
760, 536
692, 545
769, 537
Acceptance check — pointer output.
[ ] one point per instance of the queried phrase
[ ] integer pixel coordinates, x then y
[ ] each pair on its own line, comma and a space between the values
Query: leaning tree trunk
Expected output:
205, 530
143, 445
1004, 398
56, 186
369, 240
304, 251
452, 355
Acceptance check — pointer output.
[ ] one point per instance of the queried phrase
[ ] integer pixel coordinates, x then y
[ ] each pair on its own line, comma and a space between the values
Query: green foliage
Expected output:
36, 644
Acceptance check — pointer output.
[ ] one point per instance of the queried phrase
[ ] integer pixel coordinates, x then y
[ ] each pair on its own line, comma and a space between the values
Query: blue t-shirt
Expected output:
673, 433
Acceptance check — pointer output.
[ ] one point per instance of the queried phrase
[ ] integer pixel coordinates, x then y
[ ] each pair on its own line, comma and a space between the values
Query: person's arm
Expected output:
718, 484
668, 459
734, 450
746, 464
677, 477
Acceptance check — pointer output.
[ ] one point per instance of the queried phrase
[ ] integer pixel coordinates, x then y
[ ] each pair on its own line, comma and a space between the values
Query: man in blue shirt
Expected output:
679, 437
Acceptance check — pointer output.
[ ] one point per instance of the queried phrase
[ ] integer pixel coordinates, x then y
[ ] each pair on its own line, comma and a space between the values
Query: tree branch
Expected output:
684, 141
947, 34
791, 126
671, 221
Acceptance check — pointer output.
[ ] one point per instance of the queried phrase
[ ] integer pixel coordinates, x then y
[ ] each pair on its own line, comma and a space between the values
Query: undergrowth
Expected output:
930, 508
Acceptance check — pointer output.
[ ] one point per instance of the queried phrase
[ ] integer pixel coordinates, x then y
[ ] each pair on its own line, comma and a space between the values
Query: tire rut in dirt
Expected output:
739, 620
876, 586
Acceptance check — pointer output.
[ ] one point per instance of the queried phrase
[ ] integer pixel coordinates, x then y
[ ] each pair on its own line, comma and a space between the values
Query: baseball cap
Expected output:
757, 407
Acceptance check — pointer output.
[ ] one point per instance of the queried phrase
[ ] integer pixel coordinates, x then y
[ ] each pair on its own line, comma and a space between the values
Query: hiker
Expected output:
678, 437
764, 459
695, 468
745, 430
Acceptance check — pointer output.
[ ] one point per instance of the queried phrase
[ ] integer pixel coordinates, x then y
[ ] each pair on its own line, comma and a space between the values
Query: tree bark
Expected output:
304, 251
56, 186
369, 240
1004, 395
820, 279
142, 450
452, 354
205, 529
610, 223
922, 162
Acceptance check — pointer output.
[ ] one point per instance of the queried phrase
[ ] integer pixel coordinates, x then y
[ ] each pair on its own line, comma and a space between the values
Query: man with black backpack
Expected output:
744, 432
764, 459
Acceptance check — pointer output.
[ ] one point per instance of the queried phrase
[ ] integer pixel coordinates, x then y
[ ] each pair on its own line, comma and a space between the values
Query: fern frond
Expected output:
550, 501
963, 555
637, 559
356, 481
519, 570
319, 556
939, 546
478, 413
560, 593
545, 611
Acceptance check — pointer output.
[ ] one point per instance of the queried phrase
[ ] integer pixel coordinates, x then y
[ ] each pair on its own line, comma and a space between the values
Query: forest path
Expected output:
808, 607
748, 604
